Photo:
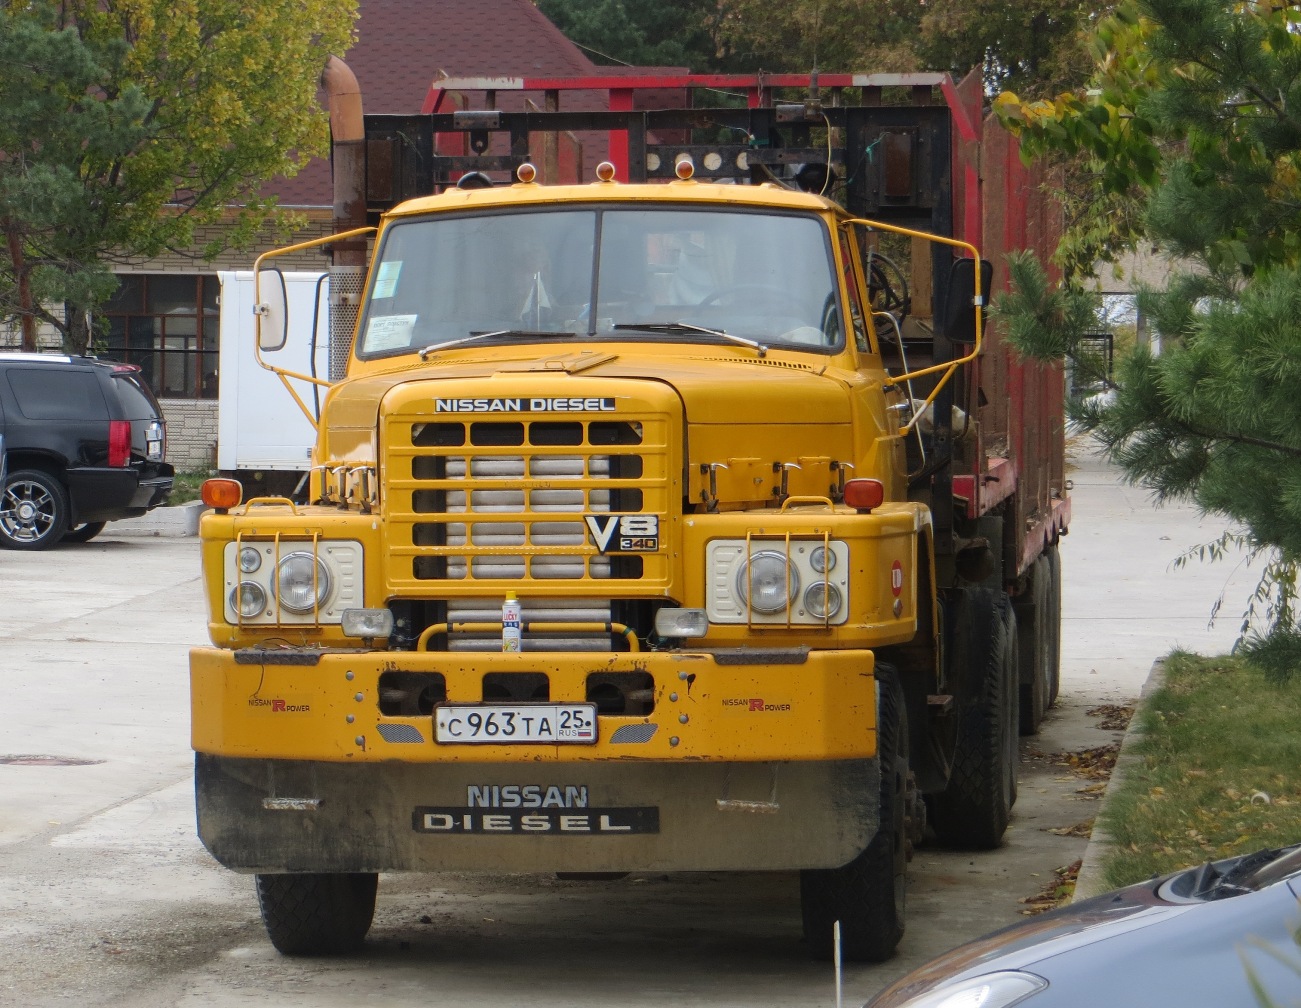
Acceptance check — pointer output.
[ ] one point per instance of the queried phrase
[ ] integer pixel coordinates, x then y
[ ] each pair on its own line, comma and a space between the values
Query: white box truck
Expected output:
259, 429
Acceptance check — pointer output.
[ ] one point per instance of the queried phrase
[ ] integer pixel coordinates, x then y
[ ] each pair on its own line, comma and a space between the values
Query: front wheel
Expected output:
33, 510
867, 896
317, 914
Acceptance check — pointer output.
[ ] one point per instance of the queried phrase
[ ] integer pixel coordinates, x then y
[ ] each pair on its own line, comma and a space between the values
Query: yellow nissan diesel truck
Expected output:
681, 517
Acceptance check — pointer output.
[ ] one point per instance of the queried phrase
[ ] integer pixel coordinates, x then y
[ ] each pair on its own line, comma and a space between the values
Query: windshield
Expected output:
603, 273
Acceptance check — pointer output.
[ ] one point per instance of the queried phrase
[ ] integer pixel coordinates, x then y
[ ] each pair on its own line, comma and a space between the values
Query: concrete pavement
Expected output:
1124, 604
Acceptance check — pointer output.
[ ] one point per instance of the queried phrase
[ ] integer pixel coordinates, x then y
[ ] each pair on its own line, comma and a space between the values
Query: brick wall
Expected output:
191, 433
311, 259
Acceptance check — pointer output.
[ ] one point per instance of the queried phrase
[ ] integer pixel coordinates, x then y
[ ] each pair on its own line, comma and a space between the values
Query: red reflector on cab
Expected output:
119, 443
864, 494
222, 494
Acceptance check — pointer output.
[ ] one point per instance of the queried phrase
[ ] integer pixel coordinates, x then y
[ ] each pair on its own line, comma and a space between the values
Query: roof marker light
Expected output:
685, 167
864, 494
222, 494
526, 173
605, 171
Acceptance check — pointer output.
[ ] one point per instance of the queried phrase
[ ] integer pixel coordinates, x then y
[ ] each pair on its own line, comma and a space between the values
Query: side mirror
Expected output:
271, 309
958, 318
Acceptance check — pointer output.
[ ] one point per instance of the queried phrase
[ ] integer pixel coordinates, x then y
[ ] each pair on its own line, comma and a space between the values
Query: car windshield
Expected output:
652, 273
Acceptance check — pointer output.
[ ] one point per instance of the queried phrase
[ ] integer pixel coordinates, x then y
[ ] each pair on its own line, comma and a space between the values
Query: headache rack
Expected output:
893, 153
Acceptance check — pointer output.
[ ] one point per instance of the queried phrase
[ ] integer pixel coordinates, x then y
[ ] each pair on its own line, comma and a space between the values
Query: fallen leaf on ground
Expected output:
1114, 717
1080, 829
1056, 893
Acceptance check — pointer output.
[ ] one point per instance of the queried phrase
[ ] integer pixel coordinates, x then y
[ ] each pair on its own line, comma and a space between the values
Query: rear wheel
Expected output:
1033, 624
317, 914
1054, 557
973, 810
867, 895
84, 532
33, 510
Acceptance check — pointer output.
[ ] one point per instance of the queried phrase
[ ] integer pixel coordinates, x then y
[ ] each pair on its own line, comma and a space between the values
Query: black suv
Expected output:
81, 444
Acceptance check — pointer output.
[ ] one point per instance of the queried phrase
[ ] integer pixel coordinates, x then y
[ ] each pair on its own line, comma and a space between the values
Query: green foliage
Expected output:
1043, 320
186, 487
1035, 45
127, 124
827, 34
664, 33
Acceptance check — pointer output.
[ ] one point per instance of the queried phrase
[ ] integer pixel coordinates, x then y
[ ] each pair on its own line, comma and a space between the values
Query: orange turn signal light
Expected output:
864, 494
222, 494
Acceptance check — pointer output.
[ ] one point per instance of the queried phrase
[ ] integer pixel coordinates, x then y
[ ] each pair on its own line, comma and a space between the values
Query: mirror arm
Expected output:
259, 308
978, 302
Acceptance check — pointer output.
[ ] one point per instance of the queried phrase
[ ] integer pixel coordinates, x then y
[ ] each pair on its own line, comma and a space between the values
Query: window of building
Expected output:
167, 324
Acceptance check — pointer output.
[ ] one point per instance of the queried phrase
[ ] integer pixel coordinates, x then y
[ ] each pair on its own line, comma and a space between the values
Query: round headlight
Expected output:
822, 600
822, 560
248, 599
250, 559
767, 581
302, 582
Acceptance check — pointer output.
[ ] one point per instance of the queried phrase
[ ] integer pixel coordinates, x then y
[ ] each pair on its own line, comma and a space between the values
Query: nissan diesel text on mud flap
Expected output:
647, 531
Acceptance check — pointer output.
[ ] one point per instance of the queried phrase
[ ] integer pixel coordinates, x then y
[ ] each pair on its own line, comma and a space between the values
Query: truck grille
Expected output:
500, 504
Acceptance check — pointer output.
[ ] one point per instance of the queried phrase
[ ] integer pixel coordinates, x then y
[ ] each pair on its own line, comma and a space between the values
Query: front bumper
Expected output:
748, 760
745, 705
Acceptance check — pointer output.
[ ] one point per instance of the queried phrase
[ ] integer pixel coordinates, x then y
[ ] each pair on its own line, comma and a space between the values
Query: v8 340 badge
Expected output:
630, 533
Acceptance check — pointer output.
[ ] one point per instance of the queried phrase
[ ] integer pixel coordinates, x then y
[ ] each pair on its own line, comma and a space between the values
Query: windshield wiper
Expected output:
475, 337
688, 327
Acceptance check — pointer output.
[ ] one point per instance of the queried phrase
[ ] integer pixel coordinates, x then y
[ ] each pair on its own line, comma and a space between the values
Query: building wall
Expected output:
191, 433
317, 226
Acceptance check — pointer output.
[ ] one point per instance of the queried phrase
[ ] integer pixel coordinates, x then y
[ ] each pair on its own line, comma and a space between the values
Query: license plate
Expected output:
500, 724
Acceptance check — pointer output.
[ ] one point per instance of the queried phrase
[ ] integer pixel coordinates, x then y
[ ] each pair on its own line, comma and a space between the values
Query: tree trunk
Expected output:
76, 333
26, 310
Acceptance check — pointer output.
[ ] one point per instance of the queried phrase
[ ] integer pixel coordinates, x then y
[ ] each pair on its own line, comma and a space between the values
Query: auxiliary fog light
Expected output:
248, 599
367, 623
681, 623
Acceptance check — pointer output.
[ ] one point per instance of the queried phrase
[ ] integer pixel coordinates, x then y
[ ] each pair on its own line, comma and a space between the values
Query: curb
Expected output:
1090, 880
171, 522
